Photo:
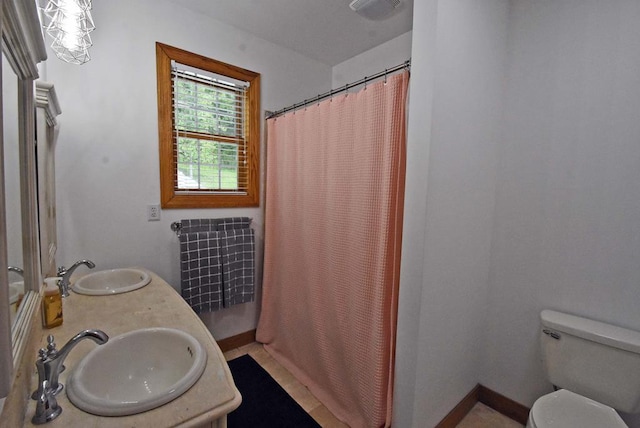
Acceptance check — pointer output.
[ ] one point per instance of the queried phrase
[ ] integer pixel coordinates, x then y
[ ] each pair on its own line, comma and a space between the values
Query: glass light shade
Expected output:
68, 23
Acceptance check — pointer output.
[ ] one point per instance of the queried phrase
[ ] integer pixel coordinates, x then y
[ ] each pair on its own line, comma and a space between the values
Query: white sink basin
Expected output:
15, 290
114, 281
136, 372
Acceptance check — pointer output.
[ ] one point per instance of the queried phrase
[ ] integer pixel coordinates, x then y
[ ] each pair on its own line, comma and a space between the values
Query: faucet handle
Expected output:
51, 346
42, 358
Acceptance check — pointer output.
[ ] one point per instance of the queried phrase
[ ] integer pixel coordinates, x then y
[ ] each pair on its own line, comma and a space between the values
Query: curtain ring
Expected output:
385, 76
318, 100
365, 83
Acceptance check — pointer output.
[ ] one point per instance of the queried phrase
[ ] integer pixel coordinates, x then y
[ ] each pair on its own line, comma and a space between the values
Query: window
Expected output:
209, 131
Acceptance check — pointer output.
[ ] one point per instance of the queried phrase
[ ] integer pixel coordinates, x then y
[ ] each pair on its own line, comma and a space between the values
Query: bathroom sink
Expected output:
15, 290
136, 371
113, 281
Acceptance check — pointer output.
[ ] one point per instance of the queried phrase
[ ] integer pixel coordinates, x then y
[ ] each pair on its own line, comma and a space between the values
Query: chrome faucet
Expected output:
16, 270
50, 365
66, 275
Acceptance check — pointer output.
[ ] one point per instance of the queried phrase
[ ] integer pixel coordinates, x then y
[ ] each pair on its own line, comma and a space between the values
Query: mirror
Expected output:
12, 188
48, 109
22, 49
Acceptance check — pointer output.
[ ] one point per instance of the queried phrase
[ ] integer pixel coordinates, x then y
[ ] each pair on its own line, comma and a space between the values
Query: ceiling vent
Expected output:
374, 9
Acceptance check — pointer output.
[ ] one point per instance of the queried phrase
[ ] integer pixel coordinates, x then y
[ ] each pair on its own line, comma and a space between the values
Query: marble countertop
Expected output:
155, 305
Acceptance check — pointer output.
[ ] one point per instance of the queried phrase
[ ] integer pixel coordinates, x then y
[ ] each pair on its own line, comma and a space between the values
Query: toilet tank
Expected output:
597, 360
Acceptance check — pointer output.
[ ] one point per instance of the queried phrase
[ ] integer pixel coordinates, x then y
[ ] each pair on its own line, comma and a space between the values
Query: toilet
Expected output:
595, 368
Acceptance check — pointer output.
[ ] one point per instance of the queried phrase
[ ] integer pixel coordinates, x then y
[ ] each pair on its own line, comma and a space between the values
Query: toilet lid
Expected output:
566, 409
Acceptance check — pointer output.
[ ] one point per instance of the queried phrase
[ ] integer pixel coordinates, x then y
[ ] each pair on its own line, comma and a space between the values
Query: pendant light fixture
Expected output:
68, 23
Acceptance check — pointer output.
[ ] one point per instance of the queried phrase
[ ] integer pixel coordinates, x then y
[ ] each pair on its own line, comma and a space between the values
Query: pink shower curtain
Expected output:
335, 183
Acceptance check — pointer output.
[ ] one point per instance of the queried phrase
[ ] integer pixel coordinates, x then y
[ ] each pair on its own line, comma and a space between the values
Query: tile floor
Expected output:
480, 416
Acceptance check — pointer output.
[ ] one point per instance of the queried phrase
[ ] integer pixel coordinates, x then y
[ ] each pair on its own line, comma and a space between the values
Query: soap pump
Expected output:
51, 305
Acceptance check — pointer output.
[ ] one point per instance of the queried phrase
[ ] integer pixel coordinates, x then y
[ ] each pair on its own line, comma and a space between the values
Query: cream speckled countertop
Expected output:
155, 305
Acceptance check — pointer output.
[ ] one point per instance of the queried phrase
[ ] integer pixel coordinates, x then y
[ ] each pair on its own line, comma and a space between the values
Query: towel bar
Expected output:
176, 226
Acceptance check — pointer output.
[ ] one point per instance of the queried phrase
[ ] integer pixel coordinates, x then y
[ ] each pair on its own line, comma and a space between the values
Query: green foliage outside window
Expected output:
205, 109
210, 164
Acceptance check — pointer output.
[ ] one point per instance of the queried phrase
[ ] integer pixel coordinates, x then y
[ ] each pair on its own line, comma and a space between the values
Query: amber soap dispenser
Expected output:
51, 304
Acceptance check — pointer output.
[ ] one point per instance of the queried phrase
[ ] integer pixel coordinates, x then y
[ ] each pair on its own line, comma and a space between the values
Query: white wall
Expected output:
107, 156
412, 276
567, 222
459, 53
394, 52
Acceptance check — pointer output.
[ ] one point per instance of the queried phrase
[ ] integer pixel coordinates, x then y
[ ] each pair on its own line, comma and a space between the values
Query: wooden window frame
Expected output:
169, 198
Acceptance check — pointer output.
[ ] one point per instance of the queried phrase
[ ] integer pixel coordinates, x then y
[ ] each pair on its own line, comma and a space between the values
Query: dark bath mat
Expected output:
264, 402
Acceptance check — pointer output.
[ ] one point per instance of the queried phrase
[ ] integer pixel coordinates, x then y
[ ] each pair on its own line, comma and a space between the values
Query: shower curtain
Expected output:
334, 197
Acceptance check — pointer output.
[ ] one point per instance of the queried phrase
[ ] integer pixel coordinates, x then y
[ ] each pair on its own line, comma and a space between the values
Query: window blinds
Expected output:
209, 126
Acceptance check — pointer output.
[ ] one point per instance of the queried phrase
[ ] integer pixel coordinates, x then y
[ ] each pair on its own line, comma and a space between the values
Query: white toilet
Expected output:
597, 365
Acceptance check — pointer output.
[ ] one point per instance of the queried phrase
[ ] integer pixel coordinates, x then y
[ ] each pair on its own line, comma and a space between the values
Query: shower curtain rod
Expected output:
385, 73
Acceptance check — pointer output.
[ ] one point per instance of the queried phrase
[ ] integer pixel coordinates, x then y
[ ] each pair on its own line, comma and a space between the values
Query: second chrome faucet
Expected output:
65, 274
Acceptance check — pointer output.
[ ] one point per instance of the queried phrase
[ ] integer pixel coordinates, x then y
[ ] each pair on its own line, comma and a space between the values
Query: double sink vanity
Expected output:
159, 367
